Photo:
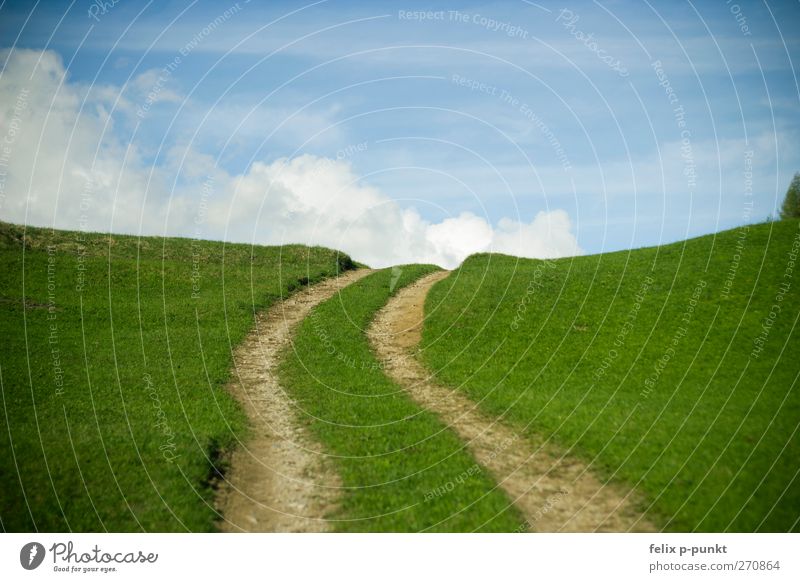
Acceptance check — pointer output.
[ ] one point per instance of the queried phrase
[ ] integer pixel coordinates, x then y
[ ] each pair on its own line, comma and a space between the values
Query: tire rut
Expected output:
553, 491
277, 480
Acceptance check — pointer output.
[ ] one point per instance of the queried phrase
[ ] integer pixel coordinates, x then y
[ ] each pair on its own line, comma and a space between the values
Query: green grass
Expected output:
124, 429
402, 469
667, 397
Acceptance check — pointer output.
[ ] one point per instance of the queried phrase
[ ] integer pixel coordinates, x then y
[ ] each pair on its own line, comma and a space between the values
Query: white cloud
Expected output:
65, 134
547, 236
320, 201
454, 238
65, 165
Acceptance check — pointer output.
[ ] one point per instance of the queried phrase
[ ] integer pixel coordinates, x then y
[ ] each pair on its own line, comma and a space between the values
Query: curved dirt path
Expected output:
276, 482
554, 492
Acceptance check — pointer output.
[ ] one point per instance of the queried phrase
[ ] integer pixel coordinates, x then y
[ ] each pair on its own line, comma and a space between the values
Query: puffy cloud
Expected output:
65, 165
548, 236
319, 201
69, 167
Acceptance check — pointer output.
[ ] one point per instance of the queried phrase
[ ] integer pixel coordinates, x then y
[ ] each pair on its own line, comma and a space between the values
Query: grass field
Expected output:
674, 369
115, 355
403, 470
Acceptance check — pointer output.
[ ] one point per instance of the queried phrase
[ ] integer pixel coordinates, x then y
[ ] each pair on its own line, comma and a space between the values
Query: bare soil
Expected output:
554, 491
278, 480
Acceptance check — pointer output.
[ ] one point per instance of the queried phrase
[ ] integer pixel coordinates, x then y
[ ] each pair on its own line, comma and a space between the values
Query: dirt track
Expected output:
276, 481
553, 491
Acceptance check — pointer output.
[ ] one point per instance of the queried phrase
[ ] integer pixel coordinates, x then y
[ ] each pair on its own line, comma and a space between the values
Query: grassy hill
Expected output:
115, 354
673, 368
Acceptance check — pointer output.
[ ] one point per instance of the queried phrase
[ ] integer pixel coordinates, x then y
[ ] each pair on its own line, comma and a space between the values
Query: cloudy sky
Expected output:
402, 131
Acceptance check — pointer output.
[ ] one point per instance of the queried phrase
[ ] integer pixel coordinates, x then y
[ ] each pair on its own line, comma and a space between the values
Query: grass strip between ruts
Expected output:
402, 469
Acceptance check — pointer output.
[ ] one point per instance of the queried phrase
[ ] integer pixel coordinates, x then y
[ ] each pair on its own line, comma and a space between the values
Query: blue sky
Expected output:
499, 110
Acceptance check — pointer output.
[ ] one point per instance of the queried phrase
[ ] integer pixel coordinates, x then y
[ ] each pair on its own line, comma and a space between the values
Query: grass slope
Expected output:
403, 469
667, 367
115, 355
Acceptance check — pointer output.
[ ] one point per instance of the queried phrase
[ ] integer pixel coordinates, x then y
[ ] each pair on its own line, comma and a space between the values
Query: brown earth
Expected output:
278, 480
553, 491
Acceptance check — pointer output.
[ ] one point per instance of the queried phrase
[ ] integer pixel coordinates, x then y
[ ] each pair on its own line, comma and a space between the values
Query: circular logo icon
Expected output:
31, 555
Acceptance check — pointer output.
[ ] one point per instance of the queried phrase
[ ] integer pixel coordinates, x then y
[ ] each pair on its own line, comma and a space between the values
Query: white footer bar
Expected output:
389, 557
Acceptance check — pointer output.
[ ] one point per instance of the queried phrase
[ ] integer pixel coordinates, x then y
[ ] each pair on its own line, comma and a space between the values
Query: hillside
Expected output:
115, 357
672, 369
